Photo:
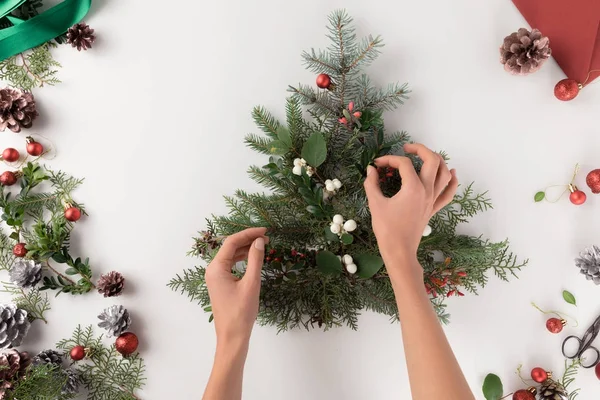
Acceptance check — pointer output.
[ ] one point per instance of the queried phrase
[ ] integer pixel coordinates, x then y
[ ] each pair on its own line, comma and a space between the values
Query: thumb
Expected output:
372, 187
256, 256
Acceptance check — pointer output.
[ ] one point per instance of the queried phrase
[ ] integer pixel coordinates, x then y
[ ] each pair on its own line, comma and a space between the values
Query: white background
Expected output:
154, 118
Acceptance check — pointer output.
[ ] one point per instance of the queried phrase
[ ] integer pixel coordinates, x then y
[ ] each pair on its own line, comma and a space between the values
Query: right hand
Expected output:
399, 221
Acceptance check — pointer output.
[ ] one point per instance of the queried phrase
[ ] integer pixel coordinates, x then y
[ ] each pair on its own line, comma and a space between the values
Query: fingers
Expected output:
233, 243
431, 162
448, 194
403, 164
443, 177
256, 256
372, 187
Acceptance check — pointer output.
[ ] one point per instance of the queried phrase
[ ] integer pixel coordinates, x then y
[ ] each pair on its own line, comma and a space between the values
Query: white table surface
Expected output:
154, 119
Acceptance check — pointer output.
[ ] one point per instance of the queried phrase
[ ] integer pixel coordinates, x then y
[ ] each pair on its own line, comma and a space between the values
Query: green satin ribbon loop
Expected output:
41, 28
9, 5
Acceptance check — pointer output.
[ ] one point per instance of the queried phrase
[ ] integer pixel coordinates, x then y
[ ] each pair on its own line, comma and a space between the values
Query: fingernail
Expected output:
259, 244
370, 170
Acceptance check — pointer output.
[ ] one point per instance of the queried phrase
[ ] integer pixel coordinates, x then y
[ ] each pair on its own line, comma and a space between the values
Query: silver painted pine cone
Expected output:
48, 357
524, 52
588, 263
71, 385
115, 319
14, 325
25, 273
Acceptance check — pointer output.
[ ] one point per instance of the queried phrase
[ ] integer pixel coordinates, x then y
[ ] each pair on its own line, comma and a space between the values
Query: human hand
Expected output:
399, 221
235, 301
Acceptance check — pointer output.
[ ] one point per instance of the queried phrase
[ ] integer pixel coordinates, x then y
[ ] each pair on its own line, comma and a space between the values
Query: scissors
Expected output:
585, 345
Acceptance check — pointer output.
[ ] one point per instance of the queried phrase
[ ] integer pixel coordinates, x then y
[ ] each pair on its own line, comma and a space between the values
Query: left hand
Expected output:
235, 301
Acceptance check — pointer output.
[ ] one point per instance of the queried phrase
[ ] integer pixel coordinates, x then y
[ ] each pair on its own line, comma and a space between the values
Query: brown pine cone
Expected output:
17, 109
81, 36
111, 284
13, 365
524, 52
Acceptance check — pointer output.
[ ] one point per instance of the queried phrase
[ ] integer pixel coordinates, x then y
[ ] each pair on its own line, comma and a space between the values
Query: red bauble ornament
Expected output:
127, 343
592, 179
555, 325
72, 214
77, 353
539, 374
523, 394
323, 81
577, 197
10, 155
19, 250
567, 89
8, 178
34, 148
598, 370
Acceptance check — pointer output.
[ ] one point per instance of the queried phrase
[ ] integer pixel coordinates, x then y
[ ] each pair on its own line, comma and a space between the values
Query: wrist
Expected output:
232, 351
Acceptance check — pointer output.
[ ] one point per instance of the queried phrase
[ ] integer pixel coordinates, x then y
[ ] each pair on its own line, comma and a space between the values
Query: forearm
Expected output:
225, 382
428, 353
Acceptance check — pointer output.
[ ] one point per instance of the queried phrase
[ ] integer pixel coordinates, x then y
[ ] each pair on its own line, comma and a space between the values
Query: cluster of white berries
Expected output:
331, 187
339, 227
298, 164
349, 263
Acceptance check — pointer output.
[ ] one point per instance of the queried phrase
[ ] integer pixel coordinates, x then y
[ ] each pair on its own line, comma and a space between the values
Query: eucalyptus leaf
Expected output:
314, 150
328, 263
278, 147
284, 136
569, 298
330, 236
492, 387
368, 264
539, 196
347, 238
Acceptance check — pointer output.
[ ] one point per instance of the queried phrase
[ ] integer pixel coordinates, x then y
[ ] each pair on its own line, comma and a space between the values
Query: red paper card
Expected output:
573, 27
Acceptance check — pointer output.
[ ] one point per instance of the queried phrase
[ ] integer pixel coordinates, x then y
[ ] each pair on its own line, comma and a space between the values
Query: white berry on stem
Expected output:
338, 219
351, 268
297, 170
350, 225
337, 183
335, 228
347, 259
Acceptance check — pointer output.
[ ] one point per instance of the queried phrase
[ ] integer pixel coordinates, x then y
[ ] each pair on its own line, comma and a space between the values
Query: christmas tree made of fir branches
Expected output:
317, 160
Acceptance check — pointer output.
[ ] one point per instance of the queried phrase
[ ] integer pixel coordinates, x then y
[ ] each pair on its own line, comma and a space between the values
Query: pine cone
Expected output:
48, 357
588, 263
81, 36
524, 52
13, 365
26, 273
14, 325
71, 386
551, 390
111, 284
115, 319
17, 109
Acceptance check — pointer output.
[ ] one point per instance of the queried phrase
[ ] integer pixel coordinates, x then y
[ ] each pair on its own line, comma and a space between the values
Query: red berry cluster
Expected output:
283, 256
446, 281
386, 174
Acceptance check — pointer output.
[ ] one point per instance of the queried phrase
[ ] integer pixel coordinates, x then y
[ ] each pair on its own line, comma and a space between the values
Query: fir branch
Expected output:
44, 381
31, 301
265, 121
569, 377
192, 284
64, 184
34, 68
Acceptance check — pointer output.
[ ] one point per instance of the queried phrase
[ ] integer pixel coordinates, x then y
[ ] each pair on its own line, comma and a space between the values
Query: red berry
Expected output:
34, 148
8, 178
450, 293
302, 256
462, 274
389, 174
277, 259
77, 353
294, 253
461, 294
19, 250
598, 370
10, 154
539, 375
357, 114
72, 214
268, 259
555, 325
272, 251
343, 120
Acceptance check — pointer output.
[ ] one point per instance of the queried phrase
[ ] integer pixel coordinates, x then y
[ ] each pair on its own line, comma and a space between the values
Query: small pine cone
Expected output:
13, 366
25, 273
588, 263
115, 319
48, 357
14, 325
71, 385
551, 390
524, 52
81, 36
17, 109
111, 284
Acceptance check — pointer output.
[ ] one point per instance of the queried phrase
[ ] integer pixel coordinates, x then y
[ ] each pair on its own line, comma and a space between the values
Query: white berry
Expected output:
310, 171
427, 231
337, 184
350, 225
347, 259
297, 162
338, 219
303, 162
351, 268
297, 170
329, 186
335, 228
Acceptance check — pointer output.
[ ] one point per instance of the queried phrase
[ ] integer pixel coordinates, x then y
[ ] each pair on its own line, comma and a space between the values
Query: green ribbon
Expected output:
38, 30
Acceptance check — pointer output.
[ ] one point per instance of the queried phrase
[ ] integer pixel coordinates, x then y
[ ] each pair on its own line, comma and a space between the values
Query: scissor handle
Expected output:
577, 352
584, 361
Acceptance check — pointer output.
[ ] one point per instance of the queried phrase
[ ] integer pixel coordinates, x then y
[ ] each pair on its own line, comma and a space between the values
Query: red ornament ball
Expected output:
555, 325
598, 370
577, 197
592, 179
127, 343
10, 155
323, 81
8, 178
34, 148
539, 375
567, 89
72, 214
524, 395
77, 353
19, 250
